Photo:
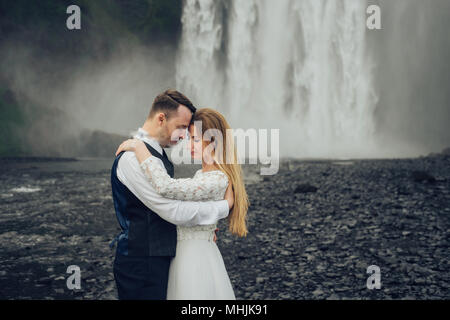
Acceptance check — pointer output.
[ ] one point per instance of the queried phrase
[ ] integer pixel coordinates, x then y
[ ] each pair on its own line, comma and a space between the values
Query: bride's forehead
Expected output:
193, 130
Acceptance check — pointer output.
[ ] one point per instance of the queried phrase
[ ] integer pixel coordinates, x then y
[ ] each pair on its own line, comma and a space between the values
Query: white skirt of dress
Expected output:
197, 272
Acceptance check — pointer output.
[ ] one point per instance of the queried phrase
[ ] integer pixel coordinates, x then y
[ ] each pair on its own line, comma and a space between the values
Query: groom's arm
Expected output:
174, 211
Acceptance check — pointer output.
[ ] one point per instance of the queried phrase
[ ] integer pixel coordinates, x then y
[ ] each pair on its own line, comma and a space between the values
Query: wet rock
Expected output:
260, 279
44, 280
288, 284
305, 188
422, 176
317, 293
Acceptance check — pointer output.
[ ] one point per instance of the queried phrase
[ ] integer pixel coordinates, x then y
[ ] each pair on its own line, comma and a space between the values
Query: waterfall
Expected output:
300, 66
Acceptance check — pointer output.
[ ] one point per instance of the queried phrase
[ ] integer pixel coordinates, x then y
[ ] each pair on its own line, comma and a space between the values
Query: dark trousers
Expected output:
141, 278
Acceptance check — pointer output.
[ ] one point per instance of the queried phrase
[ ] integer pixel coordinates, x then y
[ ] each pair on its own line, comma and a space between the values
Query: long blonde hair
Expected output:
212, 119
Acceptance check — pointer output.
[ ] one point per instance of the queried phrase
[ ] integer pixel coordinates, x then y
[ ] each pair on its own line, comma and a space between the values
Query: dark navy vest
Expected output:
144, 233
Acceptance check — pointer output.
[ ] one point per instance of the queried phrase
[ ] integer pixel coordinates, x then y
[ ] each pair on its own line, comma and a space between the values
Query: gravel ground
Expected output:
314, 228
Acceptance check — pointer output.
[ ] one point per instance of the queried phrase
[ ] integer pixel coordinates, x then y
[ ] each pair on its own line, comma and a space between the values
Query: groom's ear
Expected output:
161, 117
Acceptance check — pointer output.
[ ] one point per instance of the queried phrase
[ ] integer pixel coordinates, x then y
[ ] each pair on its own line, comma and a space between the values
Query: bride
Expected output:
197, 272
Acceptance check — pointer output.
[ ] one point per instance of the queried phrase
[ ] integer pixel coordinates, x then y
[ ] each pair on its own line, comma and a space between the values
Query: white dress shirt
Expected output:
184, 213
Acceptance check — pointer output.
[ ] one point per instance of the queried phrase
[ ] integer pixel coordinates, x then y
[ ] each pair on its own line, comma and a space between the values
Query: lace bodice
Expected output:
204, 186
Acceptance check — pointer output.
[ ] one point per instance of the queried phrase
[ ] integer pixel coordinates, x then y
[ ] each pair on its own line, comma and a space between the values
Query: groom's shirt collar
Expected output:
144, 136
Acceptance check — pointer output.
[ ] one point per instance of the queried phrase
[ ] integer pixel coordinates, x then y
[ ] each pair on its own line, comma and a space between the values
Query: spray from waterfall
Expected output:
300, 66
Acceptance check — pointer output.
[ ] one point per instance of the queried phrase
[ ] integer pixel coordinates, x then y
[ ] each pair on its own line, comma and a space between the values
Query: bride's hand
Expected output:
128, 145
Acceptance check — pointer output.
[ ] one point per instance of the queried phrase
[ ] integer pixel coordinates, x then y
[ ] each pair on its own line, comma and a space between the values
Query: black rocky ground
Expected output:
314, 228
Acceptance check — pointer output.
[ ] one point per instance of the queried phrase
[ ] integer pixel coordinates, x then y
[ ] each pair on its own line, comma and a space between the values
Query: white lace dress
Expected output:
197, 272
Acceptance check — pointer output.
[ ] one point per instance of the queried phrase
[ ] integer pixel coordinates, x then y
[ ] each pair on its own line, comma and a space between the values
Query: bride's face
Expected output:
196, 140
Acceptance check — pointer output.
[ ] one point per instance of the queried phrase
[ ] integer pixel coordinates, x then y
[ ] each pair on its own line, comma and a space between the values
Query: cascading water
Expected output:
300, 66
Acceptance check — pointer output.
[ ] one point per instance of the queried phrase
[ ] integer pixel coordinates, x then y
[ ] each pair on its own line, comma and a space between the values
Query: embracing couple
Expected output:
167, 248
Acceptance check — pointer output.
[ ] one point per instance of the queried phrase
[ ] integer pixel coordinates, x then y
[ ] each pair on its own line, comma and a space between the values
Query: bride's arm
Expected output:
198, 189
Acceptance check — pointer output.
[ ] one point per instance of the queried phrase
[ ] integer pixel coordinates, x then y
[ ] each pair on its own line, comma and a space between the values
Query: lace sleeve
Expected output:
200, 188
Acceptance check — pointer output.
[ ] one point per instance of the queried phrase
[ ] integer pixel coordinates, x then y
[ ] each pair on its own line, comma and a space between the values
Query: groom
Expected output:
148, 221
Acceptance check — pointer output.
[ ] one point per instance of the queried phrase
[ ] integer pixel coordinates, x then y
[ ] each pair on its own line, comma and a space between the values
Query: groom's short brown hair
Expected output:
168, 103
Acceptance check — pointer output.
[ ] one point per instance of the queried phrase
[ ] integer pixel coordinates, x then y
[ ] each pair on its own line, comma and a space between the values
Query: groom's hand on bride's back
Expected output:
229, 196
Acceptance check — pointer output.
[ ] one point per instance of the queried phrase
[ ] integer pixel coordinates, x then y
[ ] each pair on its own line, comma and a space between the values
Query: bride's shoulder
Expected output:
220, 175
198, 172
213, 173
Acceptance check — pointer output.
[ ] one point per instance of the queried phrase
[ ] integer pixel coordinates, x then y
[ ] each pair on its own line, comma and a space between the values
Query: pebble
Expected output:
260, 279
317, 292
